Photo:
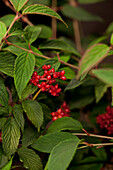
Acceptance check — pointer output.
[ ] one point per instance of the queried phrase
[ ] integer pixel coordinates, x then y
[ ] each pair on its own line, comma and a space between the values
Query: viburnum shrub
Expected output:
53, 92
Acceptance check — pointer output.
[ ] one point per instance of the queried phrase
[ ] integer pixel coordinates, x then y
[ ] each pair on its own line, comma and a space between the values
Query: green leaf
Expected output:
64, 57
3, 94
79, 13
42, 10
92, 56
8, 165
100, 90
3, 157
74, 83
58, 45
69, 73
3, 30
18, 32
10, 136
46, 32
30, 89
89, 1
18, 4
65, 123
29, 136
24, 66
96, 166
30, 159
111, 40
62, 154
100, 153
3, 111
34, 112
2, 122
7, 19
110, 28
7, 63
105, 75
32, 33
19, 117
47, 142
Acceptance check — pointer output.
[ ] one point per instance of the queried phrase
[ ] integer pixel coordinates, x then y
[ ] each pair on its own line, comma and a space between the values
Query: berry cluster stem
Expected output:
36, 94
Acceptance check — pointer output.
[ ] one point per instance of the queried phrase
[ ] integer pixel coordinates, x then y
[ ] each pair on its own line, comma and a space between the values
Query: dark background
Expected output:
103, 9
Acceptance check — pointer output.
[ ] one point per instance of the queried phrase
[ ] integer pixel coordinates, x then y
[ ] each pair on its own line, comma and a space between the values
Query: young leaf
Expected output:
62, 154
24, 66
19, 117
3, 94
3, 111
32, 33
30, 159
65, 123
8, 165
34, 112
42, 10
18, 32
18, 4
47, 142
79, 13
100, 90
29, 136
3, 30
46, 31
105, 75
92, 56
10, 136
58, 45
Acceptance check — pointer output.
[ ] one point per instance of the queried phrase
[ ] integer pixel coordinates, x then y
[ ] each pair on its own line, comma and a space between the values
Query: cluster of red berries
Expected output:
63, 111
45, 82
106, 120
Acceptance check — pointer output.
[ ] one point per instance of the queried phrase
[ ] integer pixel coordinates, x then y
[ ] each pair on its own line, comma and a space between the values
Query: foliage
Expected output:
33, 62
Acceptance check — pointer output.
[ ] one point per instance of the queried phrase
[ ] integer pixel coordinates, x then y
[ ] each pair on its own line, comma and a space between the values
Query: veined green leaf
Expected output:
65, 123
92, 56
19, 117
62, 154
3, 157
32, 33
7, 63
105, 75
47, 142
3, 30
18, 4
24, 66
3, 94
34, 112
10, 136
42, 10
7, 19
30, 159
58, 45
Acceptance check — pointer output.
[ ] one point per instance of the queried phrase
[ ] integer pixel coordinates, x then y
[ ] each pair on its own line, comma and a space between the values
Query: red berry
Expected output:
55, 75
37, 80
35, 73
54, 118
43, 89
49, 77
59, 110
43, 83
47, 86
54, 93
53, 113
44, 67
39, 85
35, 83
64, 105
48, 66
37, 77
63, 78
59, 116
62, 73
46, 72
52, 70
58, 90
56, 86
